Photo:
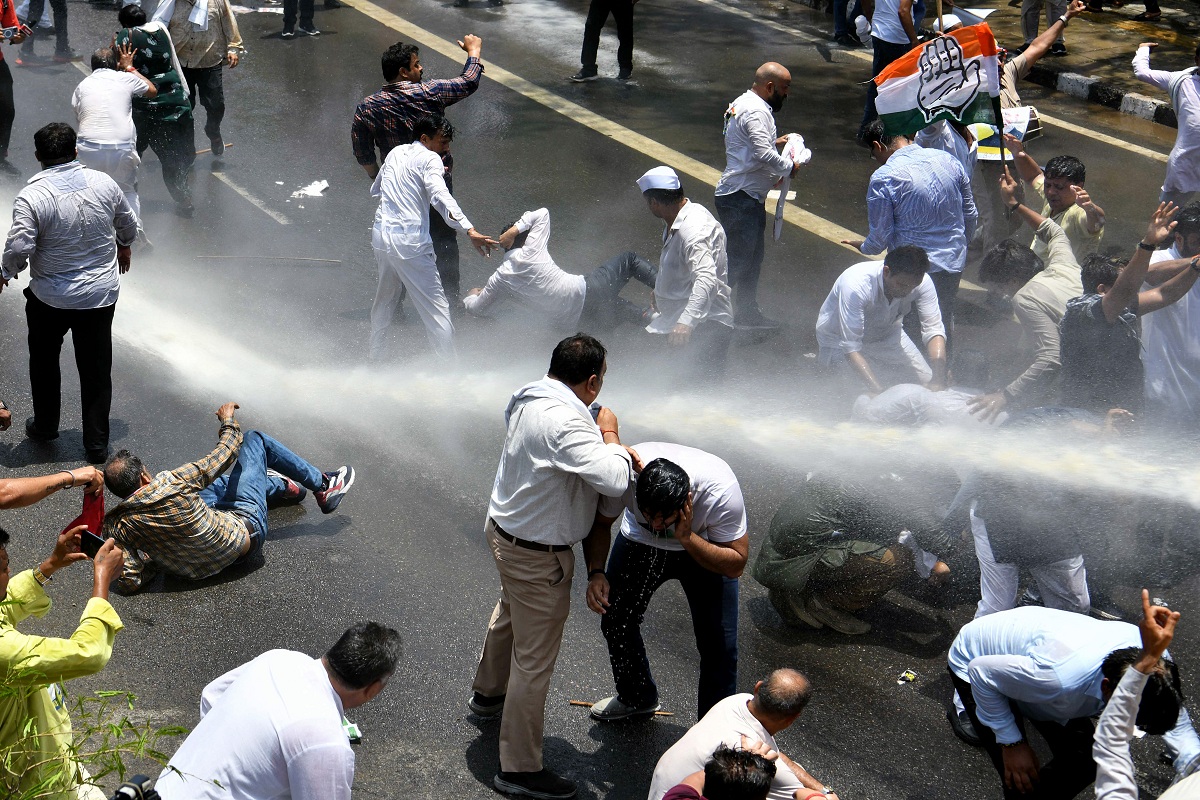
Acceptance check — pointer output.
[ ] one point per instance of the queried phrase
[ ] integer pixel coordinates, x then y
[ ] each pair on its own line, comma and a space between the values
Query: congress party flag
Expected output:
951, 77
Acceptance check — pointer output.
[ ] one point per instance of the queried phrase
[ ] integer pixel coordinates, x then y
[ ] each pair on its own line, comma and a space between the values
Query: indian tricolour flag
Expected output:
951, 77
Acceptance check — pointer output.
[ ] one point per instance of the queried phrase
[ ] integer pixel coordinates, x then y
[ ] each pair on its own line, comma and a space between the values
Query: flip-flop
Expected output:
1146, 16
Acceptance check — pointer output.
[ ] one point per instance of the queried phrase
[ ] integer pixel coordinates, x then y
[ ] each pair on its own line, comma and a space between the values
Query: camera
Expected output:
139, 787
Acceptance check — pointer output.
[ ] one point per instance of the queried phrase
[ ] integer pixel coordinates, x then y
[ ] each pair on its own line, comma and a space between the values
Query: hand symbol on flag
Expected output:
946, 83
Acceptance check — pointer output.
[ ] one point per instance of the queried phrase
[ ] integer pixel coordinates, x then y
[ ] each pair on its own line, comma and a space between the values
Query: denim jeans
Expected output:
603, 306
745, 222
247, 489
635, 571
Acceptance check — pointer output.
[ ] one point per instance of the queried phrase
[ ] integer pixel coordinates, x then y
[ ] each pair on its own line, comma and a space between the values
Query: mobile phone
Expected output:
90, 544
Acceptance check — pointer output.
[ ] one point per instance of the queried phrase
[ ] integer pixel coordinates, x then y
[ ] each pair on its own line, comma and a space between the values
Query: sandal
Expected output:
1147, 16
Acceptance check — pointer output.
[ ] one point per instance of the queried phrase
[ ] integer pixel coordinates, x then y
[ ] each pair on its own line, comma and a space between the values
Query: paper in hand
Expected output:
794, 150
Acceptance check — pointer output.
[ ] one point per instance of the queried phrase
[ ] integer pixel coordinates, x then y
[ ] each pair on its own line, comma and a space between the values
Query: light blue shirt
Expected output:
1048, 662
67, 223
922, 197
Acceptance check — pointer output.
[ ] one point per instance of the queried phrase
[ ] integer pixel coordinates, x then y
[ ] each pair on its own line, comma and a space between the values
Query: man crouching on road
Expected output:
195, 522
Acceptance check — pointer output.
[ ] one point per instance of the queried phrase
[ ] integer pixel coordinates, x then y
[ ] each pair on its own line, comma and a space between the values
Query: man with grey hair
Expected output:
103, 103
775, 704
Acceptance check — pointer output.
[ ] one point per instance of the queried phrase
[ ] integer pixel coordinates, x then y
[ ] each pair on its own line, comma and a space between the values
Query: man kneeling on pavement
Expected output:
193, 521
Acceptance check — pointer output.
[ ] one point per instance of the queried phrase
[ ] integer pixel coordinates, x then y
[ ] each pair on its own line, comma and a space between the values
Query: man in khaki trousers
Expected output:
556, 463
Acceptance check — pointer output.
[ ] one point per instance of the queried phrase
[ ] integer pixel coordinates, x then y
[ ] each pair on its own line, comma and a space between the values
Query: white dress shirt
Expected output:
554, 467
692, 283
752, 164
913, 404
1048, 662
718, 510
858, 311
530, 276
272, 728
1183, 165
1171, 353
67, 223
103, 104
411, 180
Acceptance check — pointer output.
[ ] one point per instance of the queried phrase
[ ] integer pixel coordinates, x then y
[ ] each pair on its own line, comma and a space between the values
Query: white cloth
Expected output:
411, 180
725, 723
272, 728
1171, 354
554, 467
718, 510
419, 276
857, 312
913, 404
530, 276
1183, 165
103, 104
1063, 583
752, 163
942, 136
659, 178
198, 15
693, 272
119, 162
797, 153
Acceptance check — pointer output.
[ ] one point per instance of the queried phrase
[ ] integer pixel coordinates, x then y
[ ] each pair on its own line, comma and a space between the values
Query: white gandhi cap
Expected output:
659, 178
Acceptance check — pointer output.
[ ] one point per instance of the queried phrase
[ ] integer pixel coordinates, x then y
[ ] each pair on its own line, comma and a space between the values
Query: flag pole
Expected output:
999, 114
941, 25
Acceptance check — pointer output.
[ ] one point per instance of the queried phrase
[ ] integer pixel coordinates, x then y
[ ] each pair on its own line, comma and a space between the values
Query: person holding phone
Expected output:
35, 666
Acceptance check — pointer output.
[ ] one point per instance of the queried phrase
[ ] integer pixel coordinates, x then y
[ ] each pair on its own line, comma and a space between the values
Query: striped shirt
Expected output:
385, 119
166, 521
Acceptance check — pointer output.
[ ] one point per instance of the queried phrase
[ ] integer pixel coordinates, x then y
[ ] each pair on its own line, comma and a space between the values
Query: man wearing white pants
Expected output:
103, 104
412, 179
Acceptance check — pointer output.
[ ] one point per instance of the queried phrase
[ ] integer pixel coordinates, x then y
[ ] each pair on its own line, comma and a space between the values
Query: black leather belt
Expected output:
544, 548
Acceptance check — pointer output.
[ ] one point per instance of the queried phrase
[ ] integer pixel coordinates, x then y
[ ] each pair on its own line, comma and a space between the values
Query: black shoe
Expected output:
308, 30
963, 728
461, 3
494, 3
333, 4
585, 74
8, 168
288, 33
543, 784
625, 74
1016, 51
1057, 49
31, 430
97, 456
218, 145
69, 55
845, 40
185, 210
483, 706
753, 319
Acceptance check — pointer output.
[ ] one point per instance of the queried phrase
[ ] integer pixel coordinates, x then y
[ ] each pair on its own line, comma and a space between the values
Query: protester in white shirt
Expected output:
753, 165
911, 404
413, 178
557, 462
691, 294
1171, 335
571, 302
103, 103
273, 726
774, 706
684, 519
860, 325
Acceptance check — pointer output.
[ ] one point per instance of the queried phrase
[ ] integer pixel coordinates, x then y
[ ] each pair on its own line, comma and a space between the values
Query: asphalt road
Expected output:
221, 310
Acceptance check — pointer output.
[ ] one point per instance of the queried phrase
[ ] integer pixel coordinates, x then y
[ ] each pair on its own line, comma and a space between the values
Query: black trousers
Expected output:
208, 84
91, 333
745, 222
174, 144
598, 11
289, 13
445, 251
8, 110
59, 7
884, 53
1066, 774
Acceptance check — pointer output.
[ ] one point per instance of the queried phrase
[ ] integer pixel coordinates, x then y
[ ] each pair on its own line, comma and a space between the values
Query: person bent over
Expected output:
194, 521
839, 545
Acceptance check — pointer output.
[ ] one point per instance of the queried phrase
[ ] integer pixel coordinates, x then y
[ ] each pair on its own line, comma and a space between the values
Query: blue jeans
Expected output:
635, 571
246, 489
603, 306
745, 222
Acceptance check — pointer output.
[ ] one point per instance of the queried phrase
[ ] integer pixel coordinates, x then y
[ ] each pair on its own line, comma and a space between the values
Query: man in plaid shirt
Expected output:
385, 119
193, 521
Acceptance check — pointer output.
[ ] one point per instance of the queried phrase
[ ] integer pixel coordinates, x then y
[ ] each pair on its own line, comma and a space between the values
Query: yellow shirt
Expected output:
1073, 222
31, 695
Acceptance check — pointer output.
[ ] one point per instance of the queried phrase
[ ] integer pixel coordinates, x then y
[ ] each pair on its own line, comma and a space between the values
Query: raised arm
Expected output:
1041, 45
199, 474
1027, 168
1172, 291
1141, 68
1125, 288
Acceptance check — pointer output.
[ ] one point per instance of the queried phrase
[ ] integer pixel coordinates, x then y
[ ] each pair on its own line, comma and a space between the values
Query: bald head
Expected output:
771, 83
779, 699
